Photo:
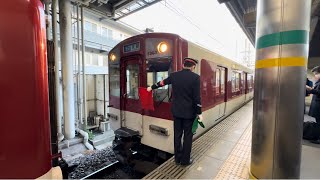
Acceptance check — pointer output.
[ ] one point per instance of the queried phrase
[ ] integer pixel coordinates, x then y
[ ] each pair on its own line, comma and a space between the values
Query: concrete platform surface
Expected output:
224, 153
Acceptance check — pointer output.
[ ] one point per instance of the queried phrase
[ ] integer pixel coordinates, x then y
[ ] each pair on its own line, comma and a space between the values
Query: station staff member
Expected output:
186, 106
314, 110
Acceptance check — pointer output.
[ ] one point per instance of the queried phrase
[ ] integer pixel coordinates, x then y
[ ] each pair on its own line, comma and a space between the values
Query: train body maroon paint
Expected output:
25, 150
143, 60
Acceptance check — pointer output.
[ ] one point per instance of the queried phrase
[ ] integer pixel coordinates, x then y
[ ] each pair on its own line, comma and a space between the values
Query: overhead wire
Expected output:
180, 13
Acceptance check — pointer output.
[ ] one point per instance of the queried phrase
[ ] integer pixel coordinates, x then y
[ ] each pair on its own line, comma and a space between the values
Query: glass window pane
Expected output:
150, 80
87, 26
95, 59
114, 76
237, 81
105, 60
233, 82
94, 28
158, 70
222, 81
100, 60
104, 32
217, 81
87, 58
110, 33
132, 73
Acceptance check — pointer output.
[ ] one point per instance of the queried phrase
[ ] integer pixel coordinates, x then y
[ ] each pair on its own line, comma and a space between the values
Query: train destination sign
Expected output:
131, 47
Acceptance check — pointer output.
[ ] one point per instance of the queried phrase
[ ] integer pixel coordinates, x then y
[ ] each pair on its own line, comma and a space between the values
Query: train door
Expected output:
221, 90
131, 81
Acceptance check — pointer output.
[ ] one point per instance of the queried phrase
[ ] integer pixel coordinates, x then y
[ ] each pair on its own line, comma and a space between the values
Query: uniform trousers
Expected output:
182, 150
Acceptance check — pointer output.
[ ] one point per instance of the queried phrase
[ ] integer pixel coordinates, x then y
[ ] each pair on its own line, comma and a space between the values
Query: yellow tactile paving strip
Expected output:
237, 164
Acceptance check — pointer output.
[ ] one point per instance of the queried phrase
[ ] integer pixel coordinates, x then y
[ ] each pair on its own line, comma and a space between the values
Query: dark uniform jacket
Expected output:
310, 84
315, 103
186, 102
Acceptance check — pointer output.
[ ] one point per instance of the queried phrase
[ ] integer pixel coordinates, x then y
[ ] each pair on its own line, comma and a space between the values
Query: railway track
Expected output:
104, 165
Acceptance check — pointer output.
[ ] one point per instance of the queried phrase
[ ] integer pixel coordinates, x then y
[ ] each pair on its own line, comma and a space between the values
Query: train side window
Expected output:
223, 76
235, 81
250, 81
243, 82
114, 77
217, 81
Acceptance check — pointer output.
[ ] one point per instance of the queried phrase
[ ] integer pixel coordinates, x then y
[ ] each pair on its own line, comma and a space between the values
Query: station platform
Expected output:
224, 153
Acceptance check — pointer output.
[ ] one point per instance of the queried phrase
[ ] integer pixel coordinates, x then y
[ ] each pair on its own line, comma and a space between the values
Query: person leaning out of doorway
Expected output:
315, 103
186, 106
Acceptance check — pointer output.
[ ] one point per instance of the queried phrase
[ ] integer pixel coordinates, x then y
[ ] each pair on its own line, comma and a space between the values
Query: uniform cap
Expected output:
193, 61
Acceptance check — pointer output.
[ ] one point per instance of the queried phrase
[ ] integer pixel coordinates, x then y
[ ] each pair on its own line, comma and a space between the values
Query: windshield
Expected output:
158, 70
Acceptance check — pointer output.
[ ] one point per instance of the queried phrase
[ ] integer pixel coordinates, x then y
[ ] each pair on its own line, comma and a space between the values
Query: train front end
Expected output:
141, 61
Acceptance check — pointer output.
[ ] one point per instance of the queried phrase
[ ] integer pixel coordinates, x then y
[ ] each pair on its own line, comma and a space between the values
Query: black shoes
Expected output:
187, 164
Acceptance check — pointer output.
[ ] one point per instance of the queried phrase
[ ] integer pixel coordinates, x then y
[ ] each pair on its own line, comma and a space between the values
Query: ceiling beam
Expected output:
138, 9
249, 19
237, 13
223, 1
313, 25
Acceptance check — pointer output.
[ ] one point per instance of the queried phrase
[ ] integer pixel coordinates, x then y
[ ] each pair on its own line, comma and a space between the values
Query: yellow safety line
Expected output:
275, 62
251, 176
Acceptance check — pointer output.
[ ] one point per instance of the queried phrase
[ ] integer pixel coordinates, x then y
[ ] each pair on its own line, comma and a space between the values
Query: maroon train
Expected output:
143, 60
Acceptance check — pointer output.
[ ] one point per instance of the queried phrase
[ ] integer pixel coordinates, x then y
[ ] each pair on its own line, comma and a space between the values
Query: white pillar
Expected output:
67, 67
57, 67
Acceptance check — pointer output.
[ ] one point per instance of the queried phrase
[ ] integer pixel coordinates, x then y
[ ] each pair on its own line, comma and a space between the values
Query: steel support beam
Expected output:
57, 68
282, 53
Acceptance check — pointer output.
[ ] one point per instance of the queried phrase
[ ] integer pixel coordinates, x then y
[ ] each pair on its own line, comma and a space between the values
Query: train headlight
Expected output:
113, 57
162, 47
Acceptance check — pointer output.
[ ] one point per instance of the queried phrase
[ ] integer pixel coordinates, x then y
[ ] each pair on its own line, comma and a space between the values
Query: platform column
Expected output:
282, 44
67, 68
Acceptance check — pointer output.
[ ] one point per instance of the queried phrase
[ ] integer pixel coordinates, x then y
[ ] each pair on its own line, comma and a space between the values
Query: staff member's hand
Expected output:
149, 89
200, 118
308, 88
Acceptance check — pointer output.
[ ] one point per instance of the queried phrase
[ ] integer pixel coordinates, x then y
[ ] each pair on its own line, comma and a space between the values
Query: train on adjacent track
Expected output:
26, 147
145, 59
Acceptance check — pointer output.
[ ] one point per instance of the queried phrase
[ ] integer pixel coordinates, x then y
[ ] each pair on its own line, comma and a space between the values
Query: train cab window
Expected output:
157, 70
217, 81
114, 77
132, 83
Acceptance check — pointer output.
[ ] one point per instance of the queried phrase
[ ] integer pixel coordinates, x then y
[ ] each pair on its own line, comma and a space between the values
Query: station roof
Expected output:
244, 11
116, 9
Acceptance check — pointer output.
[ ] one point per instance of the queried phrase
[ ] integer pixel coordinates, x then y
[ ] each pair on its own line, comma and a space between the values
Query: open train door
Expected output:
221, 95
131, 80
